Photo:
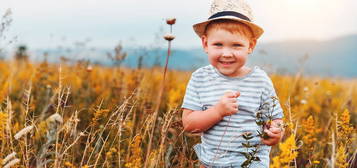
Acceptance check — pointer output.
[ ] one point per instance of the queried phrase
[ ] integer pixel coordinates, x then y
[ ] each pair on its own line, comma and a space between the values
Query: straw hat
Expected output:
237, 10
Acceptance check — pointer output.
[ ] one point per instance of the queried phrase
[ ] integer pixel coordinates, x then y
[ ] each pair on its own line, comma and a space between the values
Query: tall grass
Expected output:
91, 118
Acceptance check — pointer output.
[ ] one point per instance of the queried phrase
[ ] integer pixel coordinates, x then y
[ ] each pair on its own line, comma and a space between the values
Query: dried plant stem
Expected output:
121, 119
70, 146
353, 159
101, 150
158, 100
166, 125
27, 122
8, 124
89, 141
131, 136
57, 110
333, 153
119, 140
110, 121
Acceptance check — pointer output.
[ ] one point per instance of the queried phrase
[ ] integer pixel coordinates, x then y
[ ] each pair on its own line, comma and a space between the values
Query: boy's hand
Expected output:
275, 132
228, 105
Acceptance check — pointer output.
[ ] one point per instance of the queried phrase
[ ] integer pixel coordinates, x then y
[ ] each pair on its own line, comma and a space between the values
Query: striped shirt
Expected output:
220, 145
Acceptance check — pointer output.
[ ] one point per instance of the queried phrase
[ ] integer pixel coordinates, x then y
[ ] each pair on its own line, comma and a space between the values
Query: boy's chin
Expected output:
228, 73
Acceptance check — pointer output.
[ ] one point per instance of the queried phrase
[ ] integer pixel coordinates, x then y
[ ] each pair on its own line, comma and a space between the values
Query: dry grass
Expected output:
84, 117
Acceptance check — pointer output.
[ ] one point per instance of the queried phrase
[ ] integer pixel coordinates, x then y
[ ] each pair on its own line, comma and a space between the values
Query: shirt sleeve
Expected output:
270, 102
191, 99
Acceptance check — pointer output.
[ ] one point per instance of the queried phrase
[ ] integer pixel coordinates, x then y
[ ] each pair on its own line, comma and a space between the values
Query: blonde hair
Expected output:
230, 26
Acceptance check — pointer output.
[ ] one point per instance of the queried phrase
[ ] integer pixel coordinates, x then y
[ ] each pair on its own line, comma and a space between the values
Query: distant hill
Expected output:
337, 57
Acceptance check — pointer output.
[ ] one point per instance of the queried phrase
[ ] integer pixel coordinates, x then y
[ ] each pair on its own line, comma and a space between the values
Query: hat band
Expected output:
229, 13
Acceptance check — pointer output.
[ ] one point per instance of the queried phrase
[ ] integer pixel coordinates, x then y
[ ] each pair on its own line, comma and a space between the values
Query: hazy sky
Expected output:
49, 23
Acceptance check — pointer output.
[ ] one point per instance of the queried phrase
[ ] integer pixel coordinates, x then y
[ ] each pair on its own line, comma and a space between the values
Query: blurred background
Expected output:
318, 36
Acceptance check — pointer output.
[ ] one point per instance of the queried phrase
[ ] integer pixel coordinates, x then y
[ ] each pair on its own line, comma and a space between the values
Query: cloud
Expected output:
109, 21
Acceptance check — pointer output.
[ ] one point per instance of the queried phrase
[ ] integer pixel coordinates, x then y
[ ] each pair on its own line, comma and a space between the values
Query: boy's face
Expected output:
227, 52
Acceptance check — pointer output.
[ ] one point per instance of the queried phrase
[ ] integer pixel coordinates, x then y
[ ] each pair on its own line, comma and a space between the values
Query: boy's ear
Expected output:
204, 43
252, 45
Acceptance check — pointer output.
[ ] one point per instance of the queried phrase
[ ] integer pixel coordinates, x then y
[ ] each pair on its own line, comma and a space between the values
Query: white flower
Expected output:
89, 68
55, 118
303, 101
306, 89
23, 132
13, 162
9, 157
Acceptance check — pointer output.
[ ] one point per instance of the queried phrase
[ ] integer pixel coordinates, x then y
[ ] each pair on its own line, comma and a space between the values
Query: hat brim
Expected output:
256, 30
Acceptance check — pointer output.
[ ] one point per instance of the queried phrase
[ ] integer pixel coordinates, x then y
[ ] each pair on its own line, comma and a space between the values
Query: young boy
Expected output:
223, 98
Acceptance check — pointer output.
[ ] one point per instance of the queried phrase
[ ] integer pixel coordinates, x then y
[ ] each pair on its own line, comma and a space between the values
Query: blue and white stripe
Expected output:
221, 144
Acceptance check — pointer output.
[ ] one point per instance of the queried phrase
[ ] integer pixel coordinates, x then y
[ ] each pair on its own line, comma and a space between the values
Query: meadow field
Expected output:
81, 115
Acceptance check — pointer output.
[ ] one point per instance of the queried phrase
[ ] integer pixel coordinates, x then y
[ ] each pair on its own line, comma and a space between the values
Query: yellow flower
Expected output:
311, 131
175, 95
315, 162
101, 113
345, 130
3, 121
341, 158
69, 164
135, 161
287, 153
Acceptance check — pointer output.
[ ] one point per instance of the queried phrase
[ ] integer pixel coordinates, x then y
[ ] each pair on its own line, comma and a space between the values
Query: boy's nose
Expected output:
227, 53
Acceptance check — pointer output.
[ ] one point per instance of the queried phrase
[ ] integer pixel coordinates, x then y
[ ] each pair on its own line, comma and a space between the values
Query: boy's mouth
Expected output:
226, 62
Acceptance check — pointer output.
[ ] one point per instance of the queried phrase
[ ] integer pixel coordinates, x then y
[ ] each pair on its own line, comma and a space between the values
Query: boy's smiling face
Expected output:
227, 51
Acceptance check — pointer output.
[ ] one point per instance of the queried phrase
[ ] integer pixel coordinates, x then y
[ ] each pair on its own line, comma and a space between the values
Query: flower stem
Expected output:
159, 97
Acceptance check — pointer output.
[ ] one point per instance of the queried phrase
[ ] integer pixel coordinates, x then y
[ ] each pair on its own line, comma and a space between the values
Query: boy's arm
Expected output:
199, 121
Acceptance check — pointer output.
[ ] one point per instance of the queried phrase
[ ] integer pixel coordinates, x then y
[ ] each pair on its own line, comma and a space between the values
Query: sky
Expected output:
105, 23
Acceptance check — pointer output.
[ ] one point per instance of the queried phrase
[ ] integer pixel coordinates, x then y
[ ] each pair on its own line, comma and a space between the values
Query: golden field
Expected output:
62, 115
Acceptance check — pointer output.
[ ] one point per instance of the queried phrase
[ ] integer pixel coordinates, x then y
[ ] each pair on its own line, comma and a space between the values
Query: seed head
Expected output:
169, 37
303, 101
12, 163
55, 118
89, 68
22, 132
171, 21
9, 157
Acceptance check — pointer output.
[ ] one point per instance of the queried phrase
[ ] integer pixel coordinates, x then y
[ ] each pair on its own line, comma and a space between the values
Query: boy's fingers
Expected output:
275, 130
237, 93
229, 94
232, 94
266, 141
271, 134
269, 141
232, 100
232, 111
277, 123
